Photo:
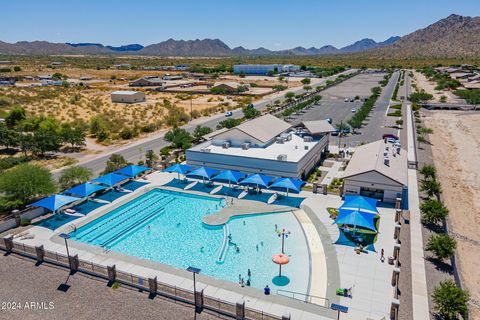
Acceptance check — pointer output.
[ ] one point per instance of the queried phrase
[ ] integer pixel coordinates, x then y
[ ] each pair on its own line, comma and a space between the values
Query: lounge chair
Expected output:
70, 211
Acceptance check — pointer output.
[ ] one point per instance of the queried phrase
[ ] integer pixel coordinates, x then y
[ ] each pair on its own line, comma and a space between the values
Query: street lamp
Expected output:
66, 236
194, 271
284, 233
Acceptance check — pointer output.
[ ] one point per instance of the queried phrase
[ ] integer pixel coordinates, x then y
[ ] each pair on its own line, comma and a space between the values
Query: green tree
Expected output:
241, 74
45, 141
307, 88
433, 211
115, 162
8, 137
428, 171
179, 138
16, 115
431, 187
420, 97
151, 157
73, 176
74, 135
306, 81
229, 123
200, 131
17, 69
441, 245
99, 128
22, 184
289, 96
250, 113
450, 301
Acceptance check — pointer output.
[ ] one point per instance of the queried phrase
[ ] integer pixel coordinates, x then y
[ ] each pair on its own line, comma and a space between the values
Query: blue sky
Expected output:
274, 24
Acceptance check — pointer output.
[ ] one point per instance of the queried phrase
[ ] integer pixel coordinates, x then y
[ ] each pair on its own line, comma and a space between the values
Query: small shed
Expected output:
128, 96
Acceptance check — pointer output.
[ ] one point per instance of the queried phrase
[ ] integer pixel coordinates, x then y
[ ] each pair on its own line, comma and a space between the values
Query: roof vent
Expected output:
279, 140
246, 146
306, 147
307, 139
205, 150
226, 145
386, 161
282, 157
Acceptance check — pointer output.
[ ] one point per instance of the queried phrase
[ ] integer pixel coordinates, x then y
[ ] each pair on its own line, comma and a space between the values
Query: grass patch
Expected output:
333, 212
397, 113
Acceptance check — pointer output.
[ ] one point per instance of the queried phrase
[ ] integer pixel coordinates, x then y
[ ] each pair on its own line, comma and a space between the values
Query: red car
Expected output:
389, 135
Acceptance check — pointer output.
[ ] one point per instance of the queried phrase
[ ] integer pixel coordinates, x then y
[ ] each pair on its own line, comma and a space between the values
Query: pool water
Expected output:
166, 227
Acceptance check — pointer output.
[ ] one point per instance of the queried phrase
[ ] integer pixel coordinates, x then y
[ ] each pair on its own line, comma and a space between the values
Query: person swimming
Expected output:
178, 224
237, 249
257, 247
248, 282
249, 273
261, 242
202, 249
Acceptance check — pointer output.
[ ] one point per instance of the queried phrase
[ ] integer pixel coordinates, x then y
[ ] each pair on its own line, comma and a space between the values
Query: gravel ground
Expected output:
21, 282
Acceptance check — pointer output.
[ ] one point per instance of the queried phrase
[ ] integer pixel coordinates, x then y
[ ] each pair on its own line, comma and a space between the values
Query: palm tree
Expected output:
428, 171
450, 301
441, 245
433, 211
431, 187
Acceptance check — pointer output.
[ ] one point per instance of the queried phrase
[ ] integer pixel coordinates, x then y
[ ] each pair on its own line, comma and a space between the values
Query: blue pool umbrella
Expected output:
131, 170
360, 203
256, 180
54, 202
287, 184
84, 189
180, 169
229, 176
357, 219
202, 173
110, 179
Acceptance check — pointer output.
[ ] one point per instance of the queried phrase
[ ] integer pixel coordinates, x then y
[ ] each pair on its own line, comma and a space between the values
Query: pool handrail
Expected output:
223, 249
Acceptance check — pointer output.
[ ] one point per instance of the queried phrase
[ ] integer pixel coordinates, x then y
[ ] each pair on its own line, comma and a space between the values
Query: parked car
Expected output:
352, 100
354, 110
346, 130
346, 99
389, 135
329, 120
336, 132
228, 114
393, 141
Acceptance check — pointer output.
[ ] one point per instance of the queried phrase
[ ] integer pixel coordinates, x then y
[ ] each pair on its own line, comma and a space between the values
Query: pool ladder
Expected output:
224, 248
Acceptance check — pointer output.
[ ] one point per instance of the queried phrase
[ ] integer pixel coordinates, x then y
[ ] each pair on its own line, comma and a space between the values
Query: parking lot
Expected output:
333, 106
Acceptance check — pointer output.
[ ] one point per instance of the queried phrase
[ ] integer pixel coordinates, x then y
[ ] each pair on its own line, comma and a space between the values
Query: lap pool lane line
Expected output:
318, 262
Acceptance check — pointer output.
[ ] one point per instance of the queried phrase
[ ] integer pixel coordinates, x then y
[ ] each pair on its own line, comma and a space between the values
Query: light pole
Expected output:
194, 271
284, 233
66, 236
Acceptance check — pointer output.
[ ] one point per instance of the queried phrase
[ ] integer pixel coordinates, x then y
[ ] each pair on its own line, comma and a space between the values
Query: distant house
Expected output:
85, 78
8, 81
52, 82
172, 77
473, 85
227, 87
128, 96
147, 82
460, 75
122, 66
182, 67
45, 77
56, 63
263, 69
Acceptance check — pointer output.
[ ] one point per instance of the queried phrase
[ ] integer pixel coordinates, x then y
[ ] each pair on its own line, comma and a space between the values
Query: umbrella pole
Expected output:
280, 270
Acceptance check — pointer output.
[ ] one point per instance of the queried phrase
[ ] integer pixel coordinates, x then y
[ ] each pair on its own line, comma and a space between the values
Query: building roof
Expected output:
369, 157
125, 92
231, 84
212, 134
318, 126
264, 128
472, 85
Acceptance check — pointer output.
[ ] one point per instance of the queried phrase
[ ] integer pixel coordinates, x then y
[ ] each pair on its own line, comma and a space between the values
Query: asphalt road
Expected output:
333, 106
133, 152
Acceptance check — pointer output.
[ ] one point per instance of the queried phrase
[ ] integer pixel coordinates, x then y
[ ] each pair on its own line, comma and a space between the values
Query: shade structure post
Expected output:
280, 270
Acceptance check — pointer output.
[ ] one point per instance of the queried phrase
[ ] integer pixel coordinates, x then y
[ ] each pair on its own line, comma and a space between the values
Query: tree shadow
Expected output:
441, 265
435, 227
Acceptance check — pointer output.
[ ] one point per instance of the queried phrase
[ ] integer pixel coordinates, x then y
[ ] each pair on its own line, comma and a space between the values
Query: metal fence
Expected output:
180, 294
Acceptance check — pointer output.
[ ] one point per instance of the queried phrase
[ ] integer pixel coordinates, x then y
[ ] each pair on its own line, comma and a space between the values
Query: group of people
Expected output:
244, 283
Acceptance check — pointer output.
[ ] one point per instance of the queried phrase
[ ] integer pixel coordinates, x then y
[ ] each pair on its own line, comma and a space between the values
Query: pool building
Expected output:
265, 145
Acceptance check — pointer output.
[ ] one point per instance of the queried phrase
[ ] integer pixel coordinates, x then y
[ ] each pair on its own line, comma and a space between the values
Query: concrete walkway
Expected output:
419, 279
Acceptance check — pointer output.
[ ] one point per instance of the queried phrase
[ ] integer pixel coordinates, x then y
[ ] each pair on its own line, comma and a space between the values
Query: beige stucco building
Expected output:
128, 96
377, 170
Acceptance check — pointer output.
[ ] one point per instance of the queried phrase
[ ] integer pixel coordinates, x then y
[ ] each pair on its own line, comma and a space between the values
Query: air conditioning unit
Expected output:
205, 150
226, 145
282, 157
398, 149
279, 140
386, 161
246, 146
307, 139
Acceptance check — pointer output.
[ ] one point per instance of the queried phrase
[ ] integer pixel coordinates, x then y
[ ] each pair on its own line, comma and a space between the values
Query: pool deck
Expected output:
332, 266
242, 208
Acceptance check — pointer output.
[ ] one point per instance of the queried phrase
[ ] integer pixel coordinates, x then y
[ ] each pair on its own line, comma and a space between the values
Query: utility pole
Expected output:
340, 137
191, 108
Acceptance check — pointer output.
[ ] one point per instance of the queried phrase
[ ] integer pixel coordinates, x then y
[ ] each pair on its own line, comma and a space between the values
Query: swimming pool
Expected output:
166, 226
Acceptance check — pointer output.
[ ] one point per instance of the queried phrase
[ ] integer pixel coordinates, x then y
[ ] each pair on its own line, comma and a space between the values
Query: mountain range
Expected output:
454, 36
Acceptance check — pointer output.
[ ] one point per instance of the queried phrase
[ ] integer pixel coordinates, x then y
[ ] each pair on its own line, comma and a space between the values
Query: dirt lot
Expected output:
456, 154
429, 87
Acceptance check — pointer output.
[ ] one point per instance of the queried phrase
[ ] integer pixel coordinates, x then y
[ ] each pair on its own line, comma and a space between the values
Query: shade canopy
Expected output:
229, 176
84, 189
357, 219
202, 173
110, 179
287, 184
131, 170
54, 202
179, 168
257, 180
360, 203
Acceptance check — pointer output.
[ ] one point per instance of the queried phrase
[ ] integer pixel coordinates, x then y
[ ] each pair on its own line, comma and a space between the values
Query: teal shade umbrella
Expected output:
257, 180
179, 169
360, 203
287, 184
54, 202
131, 170
84, 189
110, 179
